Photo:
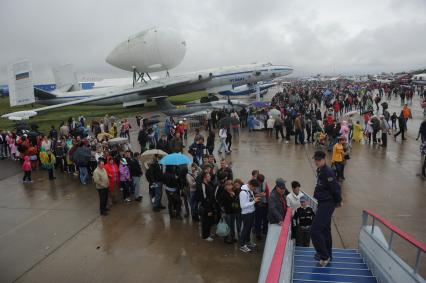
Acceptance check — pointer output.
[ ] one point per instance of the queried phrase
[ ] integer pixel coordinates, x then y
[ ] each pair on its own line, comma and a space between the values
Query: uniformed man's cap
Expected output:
318, 155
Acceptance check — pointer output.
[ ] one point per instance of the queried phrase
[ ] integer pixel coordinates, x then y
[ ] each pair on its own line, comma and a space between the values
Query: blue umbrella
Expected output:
327, 93
175, 159
260, 104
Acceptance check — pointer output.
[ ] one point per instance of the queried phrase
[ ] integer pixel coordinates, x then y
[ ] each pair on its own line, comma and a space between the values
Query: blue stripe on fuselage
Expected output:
246, 72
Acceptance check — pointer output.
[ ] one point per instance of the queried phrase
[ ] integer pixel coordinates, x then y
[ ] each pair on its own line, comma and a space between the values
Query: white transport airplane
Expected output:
419, 79
155, 50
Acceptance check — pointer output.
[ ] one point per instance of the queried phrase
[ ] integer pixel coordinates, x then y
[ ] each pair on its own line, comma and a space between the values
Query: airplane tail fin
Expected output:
21, 85
164, 103
65, 78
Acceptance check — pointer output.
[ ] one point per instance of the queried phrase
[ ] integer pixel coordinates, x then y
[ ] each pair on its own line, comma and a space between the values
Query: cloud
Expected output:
327, 36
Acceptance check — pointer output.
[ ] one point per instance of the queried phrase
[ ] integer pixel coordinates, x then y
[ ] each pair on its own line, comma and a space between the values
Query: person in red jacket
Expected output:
113, 177
336, 108
33, 154
26, 167
180, 128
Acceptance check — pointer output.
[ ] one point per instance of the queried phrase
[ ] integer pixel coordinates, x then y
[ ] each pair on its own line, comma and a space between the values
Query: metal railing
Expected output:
312, 202
421, 247
277, 259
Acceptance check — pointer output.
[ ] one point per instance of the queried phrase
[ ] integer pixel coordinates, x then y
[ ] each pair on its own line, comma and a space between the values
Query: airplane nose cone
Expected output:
111, 58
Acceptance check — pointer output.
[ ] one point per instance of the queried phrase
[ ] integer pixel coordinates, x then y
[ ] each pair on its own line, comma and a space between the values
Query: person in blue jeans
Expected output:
154, 176
83, 174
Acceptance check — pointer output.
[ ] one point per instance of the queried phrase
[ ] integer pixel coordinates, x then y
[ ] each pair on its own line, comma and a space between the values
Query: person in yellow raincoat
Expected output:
48, 160
357, 134
113, 131
338, 158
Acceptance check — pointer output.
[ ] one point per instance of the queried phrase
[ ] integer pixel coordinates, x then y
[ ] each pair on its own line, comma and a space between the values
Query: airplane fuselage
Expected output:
227, 76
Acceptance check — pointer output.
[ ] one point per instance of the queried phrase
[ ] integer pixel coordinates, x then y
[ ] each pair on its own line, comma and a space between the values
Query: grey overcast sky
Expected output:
321, 36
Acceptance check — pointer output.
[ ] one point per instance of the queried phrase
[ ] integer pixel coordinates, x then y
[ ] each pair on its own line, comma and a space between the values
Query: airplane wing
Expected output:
158, 84
42, 94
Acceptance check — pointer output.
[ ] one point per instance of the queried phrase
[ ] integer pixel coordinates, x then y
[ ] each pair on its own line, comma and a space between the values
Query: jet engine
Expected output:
151, 50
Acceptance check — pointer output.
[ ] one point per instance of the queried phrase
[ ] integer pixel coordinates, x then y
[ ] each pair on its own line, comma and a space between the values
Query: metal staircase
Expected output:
346, 266
374, 261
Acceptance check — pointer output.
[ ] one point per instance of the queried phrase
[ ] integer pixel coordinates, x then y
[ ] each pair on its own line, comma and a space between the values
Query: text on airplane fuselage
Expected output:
240, 79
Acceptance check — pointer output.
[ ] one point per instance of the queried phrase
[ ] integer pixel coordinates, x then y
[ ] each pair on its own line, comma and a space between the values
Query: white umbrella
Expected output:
351, 113
148, 154
154, 152
118, 141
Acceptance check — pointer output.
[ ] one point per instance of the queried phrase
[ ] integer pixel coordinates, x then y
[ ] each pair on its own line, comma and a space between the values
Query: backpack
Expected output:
375, 125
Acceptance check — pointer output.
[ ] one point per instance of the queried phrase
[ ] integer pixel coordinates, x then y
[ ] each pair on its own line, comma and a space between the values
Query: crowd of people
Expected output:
208, 190
333, 115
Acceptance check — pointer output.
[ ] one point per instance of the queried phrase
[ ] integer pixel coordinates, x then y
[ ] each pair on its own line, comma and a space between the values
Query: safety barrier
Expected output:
278, 268
279, 249
379, 253
196, 121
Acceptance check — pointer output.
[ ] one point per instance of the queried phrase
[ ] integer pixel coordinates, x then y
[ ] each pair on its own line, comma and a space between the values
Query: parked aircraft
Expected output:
156, 50
419, 79
169, 109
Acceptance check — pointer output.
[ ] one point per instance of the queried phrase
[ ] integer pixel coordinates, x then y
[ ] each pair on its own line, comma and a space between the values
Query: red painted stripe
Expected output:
399, 232
278, 257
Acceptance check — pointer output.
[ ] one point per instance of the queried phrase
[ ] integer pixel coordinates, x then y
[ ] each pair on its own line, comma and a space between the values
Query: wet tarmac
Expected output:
52, 231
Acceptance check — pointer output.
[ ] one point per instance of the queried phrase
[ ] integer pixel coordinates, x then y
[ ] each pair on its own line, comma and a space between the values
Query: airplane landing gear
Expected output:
139, 77
209, 98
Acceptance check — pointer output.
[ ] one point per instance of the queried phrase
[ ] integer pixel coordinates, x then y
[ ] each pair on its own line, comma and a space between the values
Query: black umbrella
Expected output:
20, 127
81, 155
152, 122
226, 121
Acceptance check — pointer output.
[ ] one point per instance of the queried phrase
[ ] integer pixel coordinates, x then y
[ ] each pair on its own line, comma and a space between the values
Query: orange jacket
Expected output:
406, 112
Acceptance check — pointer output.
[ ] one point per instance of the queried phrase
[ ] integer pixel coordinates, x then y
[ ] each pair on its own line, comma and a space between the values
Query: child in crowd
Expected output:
302, 219
26, 167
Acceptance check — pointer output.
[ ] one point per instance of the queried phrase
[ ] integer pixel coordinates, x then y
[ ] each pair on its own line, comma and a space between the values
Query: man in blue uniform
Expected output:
328, 194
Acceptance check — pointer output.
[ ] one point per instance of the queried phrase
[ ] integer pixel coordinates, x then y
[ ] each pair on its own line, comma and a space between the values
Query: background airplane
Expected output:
57, 97
419, 79
152, 50
165, 106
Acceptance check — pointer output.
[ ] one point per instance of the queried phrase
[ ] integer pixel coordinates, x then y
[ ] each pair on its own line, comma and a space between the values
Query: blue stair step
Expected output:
338, 259
335, 254
304, 249
311, 263
337, 271
316, 277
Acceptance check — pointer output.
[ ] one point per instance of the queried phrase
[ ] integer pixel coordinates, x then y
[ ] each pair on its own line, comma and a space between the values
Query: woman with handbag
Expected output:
227, 201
